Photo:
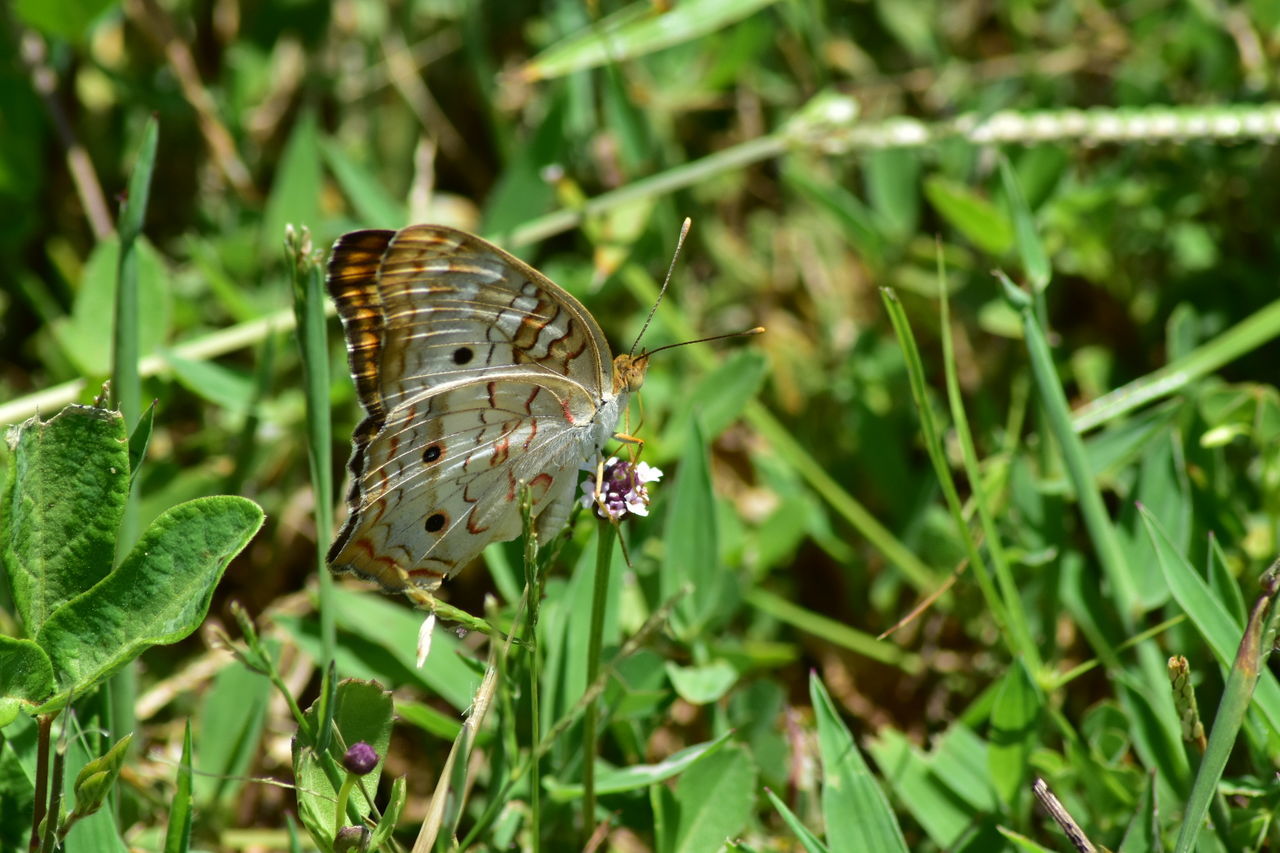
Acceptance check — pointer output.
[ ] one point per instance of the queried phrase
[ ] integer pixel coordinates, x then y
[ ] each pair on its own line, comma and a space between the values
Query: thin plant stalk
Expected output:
595, 639
309, 309
933, 445
657, 619
122, 689
1054, 404
1010, 596
533, 599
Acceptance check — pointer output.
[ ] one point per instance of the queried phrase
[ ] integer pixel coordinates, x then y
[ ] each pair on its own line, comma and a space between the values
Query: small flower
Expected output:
623, 489
360, 758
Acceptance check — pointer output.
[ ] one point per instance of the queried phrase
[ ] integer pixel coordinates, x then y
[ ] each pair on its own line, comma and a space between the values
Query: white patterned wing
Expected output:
477, 374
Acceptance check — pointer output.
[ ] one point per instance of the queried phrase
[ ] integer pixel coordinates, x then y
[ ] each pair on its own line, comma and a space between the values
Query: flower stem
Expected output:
340, 809
604, 557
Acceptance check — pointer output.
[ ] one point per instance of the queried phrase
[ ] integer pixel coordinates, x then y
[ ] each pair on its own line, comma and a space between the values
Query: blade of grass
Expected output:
1211, 617
856, 811
122, 689
590, 748
836, 633
636, 30
1146, 692
1255, 647
1057, 416
313, 345
1011, 598
177, 838
1250, 333
124, 372
937, 456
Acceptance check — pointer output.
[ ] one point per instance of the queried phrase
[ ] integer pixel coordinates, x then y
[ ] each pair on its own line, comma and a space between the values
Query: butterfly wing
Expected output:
476, 373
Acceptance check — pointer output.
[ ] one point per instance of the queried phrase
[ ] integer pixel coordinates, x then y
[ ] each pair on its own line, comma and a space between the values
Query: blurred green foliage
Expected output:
579, 135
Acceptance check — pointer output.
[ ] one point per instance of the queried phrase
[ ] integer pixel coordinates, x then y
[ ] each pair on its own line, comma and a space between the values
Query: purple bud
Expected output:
360, 758
351, 838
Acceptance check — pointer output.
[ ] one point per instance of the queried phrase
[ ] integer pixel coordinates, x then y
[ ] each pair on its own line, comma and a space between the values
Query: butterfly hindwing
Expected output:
476, 373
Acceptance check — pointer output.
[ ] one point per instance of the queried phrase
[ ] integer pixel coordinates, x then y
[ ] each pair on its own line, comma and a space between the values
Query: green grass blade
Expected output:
937, 456
1010, 595
636, 30
1210, 616
1255, 646
1053, 401
177, 838
125, 380
811, 842
837, 633
857, 813
1260, 327
1035, 262
313, 344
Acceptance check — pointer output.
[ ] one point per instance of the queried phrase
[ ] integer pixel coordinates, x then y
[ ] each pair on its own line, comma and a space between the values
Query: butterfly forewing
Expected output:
477, 374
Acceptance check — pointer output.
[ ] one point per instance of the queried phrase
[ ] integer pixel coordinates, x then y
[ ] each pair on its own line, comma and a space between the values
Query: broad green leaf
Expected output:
363, 712
26, 675
716, 796
65, 492
64, 19
692, 544
927, 793
969, 213
636, 30
158, 595
1014, 732
702, 685
856, 811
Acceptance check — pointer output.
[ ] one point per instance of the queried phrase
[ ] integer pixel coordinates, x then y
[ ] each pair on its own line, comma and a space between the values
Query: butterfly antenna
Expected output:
756, 331
684, 232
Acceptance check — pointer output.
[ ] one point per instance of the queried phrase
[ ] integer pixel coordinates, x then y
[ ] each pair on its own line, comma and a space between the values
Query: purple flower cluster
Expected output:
623, 489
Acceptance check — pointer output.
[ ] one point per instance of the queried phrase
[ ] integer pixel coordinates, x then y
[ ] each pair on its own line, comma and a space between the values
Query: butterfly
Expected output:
477, 374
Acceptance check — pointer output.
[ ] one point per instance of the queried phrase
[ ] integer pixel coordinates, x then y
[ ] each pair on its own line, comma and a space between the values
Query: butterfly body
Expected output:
477, 374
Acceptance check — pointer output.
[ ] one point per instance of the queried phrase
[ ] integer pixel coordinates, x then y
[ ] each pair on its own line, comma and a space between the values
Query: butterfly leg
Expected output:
424, 600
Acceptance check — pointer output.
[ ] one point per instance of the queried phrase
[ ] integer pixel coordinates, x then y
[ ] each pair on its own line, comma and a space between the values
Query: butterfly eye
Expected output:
462, 355
431, 454
435, 523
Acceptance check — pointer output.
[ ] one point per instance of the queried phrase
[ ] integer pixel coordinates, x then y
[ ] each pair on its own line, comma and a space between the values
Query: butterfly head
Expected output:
628, 372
